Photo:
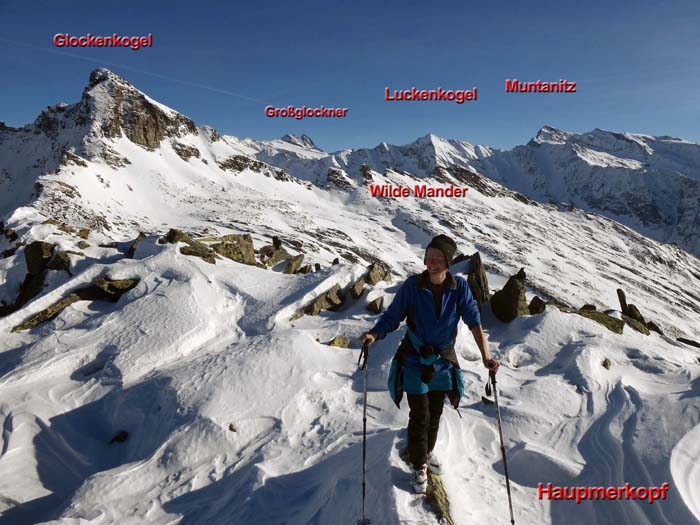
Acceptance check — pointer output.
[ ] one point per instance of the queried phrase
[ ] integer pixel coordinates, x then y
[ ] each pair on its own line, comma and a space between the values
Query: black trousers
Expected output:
423, 424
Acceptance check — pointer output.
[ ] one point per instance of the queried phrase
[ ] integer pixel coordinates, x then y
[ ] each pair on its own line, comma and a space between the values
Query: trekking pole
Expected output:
492, 373
362, 364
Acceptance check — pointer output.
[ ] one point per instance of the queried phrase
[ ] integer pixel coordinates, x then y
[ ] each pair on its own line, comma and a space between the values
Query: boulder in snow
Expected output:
294, 264
478, 282
376, 305
536, 306
341, 341
509, 302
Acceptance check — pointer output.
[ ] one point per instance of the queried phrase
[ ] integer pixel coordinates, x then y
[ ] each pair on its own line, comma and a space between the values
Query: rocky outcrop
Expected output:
271, 256
40, 257
375, 306
631, 314
653, 327
38, 254
60, 262
635, 324
185, 152
238, 163
611, 323
125, 110
335, 297
339, 179
536, 306
294, 264
509, 302
131, 251
357, 288
193, 248
366, 172
330, 300
103, 289
71, 158
476, 277
340, 341
688, 342
238, 248
376, 273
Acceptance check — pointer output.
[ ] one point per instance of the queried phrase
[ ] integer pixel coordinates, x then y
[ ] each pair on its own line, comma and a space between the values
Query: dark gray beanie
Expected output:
446, 245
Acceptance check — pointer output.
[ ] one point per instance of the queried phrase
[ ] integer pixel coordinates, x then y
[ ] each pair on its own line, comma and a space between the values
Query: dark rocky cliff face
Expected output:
110, 107
122, 108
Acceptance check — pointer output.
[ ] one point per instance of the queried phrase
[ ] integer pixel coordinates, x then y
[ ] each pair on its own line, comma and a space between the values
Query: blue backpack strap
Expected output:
415, 340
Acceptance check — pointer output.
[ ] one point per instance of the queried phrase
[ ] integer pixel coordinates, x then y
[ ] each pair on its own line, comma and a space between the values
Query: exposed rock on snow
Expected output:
611, 323
340, 341
193, 248
376, 305
294, 264
103, 289
536, 306
509, 302
477, 279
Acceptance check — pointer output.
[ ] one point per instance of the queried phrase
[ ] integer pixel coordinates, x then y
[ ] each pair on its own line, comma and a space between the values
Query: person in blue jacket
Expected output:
425, 365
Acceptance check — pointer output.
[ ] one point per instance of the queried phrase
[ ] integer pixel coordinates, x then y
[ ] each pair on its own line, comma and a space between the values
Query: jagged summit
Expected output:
551, 135
304, 141
117, 108
103, 74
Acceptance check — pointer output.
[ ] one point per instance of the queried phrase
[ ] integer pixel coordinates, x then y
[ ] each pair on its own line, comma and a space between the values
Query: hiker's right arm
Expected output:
390, 320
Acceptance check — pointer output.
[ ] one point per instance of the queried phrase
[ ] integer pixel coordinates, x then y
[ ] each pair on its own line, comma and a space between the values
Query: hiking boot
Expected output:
434, 464
419, 479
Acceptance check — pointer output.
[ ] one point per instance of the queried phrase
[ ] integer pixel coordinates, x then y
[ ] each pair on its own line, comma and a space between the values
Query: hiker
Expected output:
425, 365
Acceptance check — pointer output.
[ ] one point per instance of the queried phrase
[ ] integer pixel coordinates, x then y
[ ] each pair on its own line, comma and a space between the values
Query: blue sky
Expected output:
635, 63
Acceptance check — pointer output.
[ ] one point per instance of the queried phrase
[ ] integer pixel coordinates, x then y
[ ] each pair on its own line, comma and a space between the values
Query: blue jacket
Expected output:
415, 302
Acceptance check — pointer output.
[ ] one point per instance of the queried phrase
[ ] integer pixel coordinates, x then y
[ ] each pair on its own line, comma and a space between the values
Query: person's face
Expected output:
435, 261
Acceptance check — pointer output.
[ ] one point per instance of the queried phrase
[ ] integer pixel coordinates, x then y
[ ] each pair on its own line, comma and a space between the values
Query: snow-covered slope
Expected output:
651, 184
236, 413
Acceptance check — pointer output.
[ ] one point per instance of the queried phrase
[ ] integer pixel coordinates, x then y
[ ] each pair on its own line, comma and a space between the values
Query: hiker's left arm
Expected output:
471, 317
480, 338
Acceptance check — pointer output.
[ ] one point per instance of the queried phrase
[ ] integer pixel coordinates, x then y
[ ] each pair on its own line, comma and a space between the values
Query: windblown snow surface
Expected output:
237, 414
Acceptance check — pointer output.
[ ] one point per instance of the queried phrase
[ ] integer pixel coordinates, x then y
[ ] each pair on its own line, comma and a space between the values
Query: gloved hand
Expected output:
368, 337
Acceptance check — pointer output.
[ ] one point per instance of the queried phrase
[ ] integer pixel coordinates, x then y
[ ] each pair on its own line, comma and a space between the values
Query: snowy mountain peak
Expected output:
550, 135
428, 138
304, 141
117, 108
103, 74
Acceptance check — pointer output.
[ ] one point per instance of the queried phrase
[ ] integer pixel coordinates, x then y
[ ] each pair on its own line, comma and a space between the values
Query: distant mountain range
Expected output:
651, 184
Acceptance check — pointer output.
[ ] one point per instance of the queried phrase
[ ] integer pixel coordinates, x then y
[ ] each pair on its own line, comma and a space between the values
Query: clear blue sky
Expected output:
635, 63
